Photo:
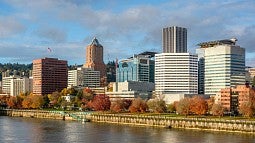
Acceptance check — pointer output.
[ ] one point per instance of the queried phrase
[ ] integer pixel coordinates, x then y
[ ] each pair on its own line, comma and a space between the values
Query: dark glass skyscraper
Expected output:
174, 40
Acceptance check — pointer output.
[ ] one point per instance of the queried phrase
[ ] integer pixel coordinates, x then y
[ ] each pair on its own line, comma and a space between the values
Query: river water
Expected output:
31, 130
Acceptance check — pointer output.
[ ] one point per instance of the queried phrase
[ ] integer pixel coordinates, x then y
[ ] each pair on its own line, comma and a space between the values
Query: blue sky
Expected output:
124, 28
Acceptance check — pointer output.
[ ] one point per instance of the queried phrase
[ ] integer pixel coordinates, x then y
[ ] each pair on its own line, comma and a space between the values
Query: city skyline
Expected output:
29, 28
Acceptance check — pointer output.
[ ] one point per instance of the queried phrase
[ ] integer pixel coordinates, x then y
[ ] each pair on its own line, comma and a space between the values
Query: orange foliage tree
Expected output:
217, 109
247, 109
138, 105
198, 105
100, 103
32, 101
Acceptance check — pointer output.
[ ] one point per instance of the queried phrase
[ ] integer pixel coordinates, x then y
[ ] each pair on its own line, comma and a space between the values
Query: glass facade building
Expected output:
136, 68
224, 65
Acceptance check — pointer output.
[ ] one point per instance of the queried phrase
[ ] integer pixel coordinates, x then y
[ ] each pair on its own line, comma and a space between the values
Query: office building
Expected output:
94, 58
131, 90
231, 98
176, 75
84, 77
224, 65
174, 40
15, 85
49, 75
137, 68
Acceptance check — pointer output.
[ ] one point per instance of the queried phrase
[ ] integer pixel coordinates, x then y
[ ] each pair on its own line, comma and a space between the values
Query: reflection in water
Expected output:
26, 130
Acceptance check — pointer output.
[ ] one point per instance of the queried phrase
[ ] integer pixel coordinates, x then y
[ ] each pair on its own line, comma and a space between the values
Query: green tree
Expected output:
157, 105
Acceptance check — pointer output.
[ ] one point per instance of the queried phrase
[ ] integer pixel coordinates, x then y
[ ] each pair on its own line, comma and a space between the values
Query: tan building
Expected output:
232, 98
49, 75
94, 58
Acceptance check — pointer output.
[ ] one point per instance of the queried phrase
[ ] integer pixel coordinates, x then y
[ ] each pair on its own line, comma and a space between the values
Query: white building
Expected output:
75, 77
84, 77
224, 65
14, 85
131, 90
176, 74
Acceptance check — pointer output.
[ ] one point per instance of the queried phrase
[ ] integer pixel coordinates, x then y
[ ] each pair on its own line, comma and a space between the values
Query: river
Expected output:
31, 130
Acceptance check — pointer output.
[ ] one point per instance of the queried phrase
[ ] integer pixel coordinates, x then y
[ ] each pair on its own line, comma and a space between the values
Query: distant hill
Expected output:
15, 68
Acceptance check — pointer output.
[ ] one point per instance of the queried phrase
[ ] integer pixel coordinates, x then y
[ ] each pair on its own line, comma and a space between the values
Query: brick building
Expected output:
49, 75
232, 98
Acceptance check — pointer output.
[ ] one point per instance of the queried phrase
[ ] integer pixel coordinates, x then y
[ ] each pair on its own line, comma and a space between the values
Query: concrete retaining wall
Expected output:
176, 122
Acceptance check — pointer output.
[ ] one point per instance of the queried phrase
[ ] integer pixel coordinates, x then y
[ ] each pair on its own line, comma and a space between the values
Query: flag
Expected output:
49, 50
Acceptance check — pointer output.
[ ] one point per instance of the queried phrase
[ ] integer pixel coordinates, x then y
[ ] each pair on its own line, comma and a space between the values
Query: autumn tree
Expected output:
217, 109
138, 105
3, 101
183, 106
198, 105
247, 109
157, 105
27, 102
117, 106
12, 102
54, 98
101, 103
210, 103
37, 101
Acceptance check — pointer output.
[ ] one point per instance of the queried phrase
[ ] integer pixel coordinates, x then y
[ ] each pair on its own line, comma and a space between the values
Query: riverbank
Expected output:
234, 125
177, 122
58, 115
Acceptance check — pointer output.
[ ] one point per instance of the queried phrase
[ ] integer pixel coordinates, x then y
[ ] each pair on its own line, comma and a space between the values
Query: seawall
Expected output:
59, 115
141, 120
177, 122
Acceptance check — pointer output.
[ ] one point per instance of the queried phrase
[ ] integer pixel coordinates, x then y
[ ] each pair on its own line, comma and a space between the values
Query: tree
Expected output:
27, 102
37, 101
157, 105
247, 109
54, 98
210, 103
183, 106
172, 107
46, 101
117, 106
138, 105
12, 102
217, 109
101, 103
198, 105
32, 101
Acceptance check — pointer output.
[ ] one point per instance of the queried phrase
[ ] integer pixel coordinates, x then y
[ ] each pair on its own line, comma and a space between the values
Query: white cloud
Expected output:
137, 28
9, 27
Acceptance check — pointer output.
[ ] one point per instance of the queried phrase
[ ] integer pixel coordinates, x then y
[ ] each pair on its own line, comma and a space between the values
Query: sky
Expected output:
124, 27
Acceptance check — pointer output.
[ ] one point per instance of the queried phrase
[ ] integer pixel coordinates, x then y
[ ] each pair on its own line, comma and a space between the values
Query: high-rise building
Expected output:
224, 65
94, 57
174, 40
137, 68
176, 73
85, 77
14, 85
49, 75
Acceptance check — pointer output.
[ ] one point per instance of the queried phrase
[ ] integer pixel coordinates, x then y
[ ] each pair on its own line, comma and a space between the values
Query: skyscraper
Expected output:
176, 73
224, 65
49, 75
94, 57
174, 40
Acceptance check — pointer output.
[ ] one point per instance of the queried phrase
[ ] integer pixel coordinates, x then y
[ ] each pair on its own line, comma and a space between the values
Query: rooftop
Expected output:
231, 41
